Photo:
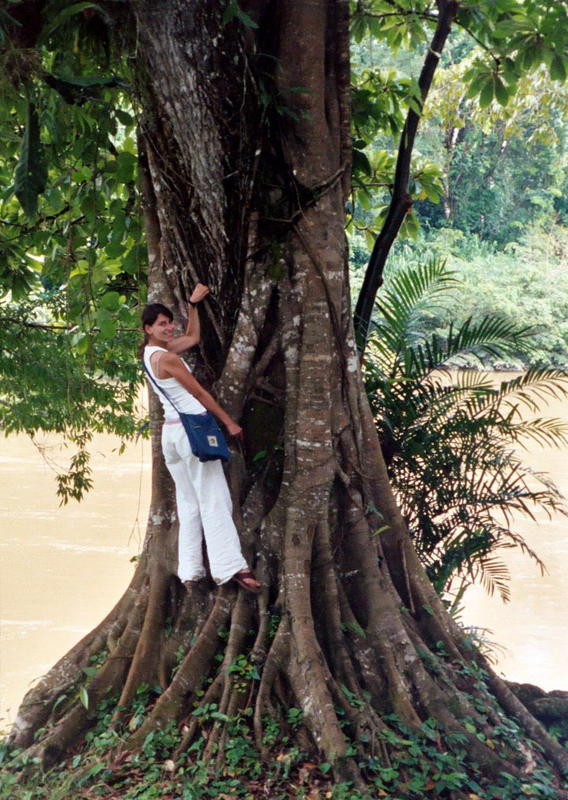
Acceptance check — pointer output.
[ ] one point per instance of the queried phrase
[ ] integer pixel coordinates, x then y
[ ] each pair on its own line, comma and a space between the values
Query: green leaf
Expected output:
361, 162
486, 95
501, 92
558, 69
80, 88
110, 301
125, 167
84, 697
89, 206
81, 343
358, 27
115, 248
108, 329
478, 83
411, 226
364, 199
218, 715
124, 118
86, 81
380, 530
510, 71
529, 56
369, 240
233, 11
135, 260
31, 173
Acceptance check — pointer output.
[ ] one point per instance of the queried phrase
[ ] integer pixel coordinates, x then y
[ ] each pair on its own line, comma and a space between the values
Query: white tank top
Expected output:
184, 401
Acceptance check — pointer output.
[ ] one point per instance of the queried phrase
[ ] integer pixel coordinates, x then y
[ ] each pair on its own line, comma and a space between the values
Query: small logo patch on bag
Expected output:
212, 440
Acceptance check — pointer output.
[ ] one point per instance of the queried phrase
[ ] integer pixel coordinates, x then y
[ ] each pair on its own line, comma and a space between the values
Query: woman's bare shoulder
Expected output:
170, 358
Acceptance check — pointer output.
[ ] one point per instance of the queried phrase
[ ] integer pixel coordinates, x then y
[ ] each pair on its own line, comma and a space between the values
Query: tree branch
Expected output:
42, 326
428, 17
46, 327
401, 202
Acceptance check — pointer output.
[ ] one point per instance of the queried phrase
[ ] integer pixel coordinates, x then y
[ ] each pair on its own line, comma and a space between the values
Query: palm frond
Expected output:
549, 432
493, 335
408, 289
493, 574
449, 439
404, 297
535, 386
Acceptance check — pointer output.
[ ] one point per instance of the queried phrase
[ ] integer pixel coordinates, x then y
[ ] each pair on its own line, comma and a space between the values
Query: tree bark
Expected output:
245, 179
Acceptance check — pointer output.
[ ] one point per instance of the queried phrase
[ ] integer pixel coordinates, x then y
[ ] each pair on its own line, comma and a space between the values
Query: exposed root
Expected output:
193, 669
193, 609
448, 683
381, 619
62, 679
144, 666
258, 652
105, 683
366, 724
326, 604
275, 662
39, 702
238, 632
363, 655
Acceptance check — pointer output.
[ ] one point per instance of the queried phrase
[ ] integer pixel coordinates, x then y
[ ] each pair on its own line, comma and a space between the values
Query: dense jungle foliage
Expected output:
489, 184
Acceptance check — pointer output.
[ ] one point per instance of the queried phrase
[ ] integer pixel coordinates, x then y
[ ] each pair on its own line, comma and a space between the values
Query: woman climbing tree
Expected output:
203, 500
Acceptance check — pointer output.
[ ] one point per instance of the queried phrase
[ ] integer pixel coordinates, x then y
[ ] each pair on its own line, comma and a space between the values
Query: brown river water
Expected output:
63, 568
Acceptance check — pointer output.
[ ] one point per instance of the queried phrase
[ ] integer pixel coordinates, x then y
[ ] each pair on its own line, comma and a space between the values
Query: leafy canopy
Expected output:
72, 254
494, 51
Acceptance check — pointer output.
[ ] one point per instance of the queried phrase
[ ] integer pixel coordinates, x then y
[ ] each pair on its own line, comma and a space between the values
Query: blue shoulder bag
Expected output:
205, 437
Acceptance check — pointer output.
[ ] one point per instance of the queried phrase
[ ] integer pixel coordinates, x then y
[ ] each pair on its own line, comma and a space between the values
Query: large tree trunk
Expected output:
244, 150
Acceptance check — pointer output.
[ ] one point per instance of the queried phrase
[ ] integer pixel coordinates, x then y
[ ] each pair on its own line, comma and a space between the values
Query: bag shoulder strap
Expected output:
159, 388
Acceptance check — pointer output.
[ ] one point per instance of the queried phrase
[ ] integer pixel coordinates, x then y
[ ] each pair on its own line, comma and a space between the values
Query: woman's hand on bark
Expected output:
199, 293
234, 429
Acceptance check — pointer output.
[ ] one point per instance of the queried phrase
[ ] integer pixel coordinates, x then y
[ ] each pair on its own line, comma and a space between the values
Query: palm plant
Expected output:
450, 438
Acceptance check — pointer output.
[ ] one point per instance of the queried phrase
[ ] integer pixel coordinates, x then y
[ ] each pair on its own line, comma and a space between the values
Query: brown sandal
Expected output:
244, 575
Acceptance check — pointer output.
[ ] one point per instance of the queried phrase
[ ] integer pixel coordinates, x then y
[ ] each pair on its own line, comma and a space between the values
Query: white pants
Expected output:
203, 505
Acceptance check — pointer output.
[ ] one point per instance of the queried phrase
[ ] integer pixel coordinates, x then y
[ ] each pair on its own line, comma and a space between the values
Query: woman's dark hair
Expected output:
149, 316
